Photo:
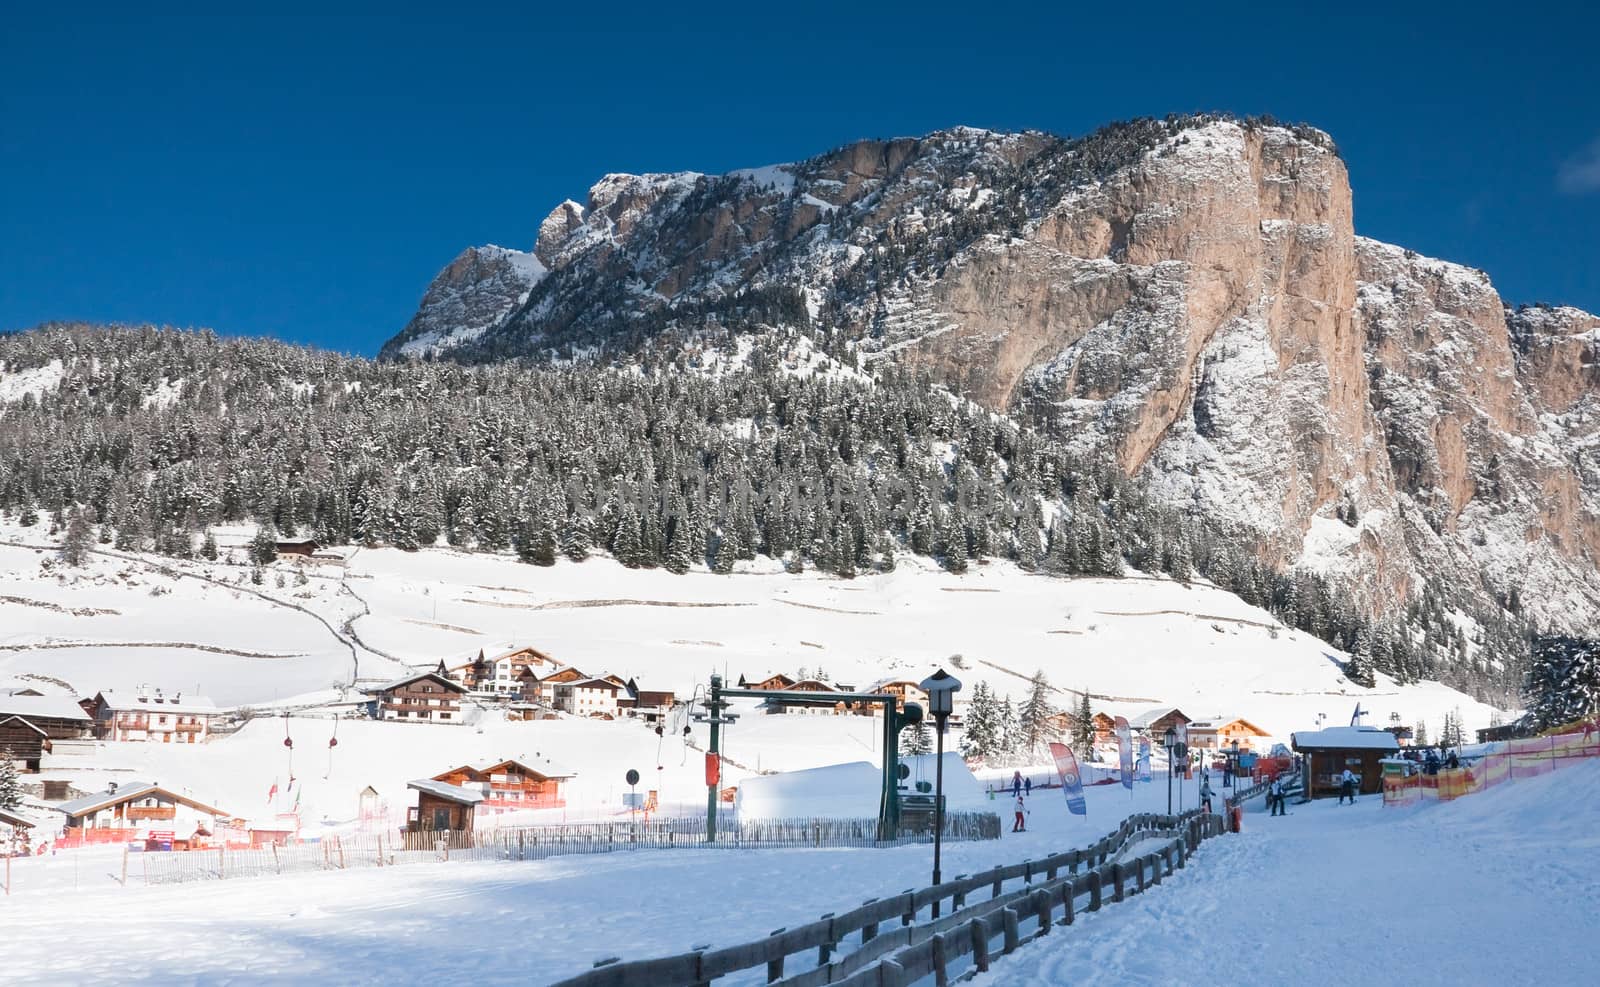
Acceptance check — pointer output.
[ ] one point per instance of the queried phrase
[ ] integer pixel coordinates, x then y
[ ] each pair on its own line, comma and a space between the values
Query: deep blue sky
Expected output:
305, 176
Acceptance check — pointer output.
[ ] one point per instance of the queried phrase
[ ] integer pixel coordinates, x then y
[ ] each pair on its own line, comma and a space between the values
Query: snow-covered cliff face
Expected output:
473, 294
1188, 297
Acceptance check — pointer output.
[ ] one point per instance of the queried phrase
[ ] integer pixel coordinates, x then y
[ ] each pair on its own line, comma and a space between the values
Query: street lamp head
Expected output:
1169, 739
941, 688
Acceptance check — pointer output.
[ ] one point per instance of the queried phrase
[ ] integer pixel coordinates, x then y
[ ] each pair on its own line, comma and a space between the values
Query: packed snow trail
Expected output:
1497, 888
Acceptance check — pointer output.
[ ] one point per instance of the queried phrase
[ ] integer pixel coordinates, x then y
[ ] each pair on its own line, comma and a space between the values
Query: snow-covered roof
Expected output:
446, 791
407, 680
56, 707
593, 684
1216, 723
1149, 716
127, 791
537, 764
13, 819
175, 703
1345, 738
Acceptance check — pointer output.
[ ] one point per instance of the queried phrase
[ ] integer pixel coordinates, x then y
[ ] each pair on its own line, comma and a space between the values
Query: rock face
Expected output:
1186, 296
471, 295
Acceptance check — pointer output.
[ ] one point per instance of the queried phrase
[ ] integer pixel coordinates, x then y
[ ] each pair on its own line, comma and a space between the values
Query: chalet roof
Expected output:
12, 819
128, 791
417, 677
446, 791
812, 685
883, 684
57, 707
120, 702
1345, 738
566, 673
4, 719
541, 766
1216, 723
1149, 716
594, 684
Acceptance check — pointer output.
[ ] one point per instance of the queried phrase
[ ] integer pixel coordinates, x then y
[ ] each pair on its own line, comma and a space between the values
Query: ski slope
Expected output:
204, 626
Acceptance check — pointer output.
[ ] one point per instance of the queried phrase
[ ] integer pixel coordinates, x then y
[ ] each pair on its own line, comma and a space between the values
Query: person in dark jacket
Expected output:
1016, 784
1347, 787
1027, 786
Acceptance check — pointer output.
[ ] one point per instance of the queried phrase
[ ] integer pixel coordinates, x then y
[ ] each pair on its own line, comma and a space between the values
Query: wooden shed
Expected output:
1329, 752
442, 806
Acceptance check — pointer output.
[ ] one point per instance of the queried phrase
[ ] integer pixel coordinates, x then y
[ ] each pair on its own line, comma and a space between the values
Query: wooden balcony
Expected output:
189, 727
138, 812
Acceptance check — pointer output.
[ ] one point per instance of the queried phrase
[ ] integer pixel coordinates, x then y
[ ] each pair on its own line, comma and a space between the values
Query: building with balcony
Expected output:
425, 697
148, 714
139, 808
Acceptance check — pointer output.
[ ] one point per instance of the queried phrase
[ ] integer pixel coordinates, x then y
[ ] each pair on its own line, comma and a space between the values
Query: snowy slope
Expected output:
1133, 643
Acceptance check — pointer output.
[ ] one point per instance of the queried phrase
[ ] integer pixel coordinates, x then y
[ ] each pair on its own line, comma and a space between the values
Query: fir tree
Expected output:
1033, 719
79, 538
208, 547
10, 788
1083, 727
264, 546
916, 739
1563, 681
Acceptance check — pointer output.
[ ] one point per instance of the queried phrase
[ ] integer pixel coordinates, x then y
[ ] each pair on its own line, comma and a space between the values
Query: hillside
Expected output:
1187, 298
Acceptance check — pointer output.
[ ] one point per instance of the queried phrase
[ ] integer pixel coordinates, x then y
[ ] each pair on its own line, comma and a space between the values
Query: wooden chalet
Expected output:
904, 691
425, 697
1328, 752
515, 783
150, 715
542, 688
441, 806
777, 680
651, 706
1105, 728
1154, 723
61, 717
26, 743
815, 685
1221, 732
143, 806
595, 698
303, 548
502, 674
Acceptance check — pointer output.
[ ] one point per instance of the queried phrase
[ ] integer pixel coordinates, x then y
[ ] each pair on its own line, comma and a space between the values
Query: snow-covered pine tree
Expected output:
10, 788
1563, 681
575, 540
79, 537
978, 737
264, 546
1008, 735
208, 547
916, 739
1083, 726
1033, 719
1420, 739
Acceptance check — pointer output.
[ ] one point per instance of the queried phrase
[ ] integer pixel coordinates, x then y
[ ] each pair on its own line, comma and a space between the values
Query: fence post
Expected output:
1116, 881
775, 965
276, 864
1009, 917
825, 950
380, 849
1155, 868
941, 976
1068, 893
869, 931
124, 865
222, 860
980, 944
1041, 907
1095, 891
910, 914
340, 840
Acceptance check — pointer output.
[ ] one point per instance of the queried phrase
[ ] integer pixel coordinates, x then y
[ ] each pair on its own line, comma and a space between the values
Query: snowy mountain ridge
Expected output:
1187, 297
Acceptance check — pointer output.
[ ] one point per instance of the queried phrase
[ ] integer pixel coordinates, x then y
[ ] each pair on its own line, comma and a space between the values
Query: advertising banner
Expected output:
1071, 783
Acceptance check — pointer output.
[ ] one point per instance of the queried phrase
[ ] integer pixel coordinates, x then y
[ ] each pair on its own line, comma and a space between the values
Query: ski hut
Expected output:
1328, 752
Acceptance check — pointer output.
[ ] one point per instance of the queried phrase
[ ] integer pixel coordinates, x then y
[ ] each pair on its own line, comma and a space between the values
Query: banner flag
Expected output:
1125, 752
1071, 783
1144, 758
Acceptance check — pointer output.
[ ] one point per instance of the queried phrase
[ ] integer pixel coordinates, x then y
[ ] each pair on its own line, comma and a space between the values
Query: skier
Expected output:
1452, 761
1347, 787
1016, 784
1205, 792
1019, 826
1027, 787
1275, 799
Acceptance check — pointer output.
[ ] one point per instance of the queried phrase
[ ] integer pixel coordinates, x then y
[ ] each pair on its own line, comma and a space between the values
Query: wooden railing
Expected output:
855, 948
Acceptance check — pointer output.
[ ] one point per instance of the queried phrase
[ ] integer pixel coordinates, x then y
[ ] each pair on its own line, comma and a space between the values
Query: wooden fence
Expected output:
539, 842
882, 944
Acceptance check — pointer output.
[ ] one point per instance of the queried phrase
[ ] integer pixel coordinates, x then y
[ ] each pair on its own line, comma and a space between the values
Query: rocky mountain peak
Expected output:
1186, 297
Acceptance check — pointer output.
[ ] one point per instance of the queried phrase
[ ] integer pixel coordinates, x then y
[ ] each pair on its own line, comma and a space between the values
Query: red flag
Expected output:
272, 792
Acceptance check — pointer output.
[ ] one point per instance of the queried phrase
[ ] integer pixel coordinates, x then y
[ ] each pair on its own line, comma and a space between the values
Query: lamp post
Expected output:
1169, 740
941, 688
1233, 769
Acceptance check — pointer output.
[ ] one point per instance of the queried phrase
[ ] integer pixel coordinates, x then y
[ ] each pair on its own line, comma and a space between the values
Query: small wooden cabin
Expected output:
304, 549
441, 806
528, 783
1330, 751
26, 743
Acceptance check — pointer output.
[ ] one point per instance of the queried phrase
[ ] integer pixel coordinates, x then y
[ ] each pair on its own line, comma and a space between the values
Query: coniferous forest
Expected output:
153, 435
